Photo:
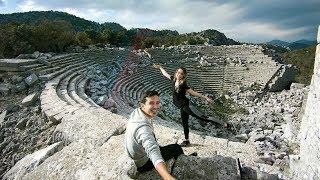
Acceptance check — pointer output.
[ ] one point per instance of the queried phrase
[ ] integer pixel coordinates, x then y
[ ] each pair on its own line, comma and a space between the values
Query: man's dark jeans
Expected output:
167, 152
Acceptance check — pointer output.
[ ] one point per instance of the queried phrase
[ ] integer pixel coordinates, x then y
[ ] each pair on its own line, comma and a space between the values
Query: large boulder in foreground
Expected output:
31, 161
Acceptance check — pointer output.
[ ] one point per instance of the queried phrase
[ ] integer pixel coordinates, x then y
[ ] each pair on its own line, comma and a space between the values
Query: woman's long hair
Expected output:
184, 81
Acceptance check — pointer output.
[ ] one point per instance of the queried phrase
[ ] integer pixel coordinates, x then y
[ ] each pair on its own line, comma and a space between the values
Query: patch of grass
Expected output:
222, 107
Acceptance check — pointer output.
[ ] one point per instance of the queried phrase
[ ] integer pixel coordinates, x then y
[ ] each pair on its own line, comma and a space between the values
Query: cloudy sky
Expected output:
242, 20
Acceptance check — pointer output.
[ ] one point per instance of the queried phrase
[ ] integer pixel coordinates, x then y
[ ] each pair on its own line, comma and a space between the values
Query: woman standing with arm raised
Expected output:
179, 90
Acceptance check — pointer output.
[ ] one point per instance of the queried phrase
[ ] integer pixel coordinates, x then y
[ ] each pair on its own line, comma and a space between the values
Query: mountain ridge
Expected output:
295, 45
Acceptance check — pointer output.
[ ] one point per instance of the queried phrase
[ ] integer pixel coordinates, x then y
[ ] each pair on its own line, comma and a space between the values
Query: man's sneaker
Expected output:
185, 143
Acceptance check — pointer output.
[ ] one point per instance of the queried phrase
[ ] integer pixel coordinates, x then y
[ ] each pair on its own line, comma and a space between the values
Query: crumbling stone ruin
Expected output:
83, 100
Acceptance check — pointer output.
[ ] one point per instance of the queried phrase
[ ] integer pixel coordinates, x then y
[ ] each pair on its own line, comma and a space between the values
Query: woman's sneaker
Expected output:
185, 143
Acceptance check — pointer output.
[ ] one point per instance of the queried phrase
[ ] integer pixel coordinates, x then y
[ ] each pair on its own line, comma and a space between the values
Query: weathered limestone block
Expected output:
22, 123
297, 86
14, 64
92, 123
216, 167
30, 80
43, 60
4, 89
64, 164
31, 161
30, 99
101, 100
36, 54
84, 160
2, 116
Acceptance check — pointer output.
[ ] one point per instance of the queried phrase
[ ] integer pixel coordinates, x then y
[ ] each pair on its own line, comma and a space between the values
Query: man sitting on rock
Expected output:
140, 141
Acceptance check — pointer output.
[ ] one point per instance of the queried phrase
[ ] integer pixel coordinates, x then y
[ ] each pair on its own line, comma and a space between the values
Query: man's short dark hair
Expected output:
148, 94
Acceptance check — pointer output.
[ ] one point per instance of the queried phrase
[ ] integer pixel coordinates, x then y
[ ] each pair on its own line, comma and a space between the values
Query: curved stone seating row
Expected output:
53, 72
152, 76
202, 81
120, 93
82, 84
38, 65
128, 90
85, 60
229, 50
52, 104
60, 59
111, 81
163, 55
58, 66
113, 89
64, 92
233, 76
74, 93
122, 106
60, 90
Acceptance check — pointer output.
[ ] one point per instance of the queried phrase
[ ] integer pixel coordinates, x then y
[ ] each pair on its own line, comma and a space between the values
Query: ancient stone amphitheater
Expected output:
88, 139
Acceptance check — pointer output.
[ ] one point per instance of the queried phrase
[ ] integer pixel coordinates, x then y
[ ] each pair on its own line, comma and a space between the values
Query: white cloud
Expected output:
30, 5
89, 14
261, 32
72, 11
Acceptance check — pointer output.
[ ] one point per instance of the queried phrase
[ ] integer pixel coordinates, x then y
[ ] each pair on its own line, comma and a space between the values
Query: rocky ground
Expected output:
270, 121
23, 130
100, 84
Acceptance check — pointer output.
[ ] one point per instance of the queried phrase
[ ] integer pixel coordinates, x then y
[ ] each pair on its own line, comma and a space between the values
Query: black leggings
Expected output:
185, 111
167, 152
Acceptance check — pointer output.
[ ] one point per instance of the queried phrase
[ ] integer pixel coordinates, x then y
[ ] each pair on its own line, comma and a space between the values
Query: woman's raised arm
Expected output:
164, 72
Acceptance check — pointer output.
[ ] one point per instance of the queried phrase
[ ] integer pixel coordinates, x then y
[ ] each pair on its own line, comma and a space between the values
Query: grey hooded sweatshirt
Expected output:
140, 142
